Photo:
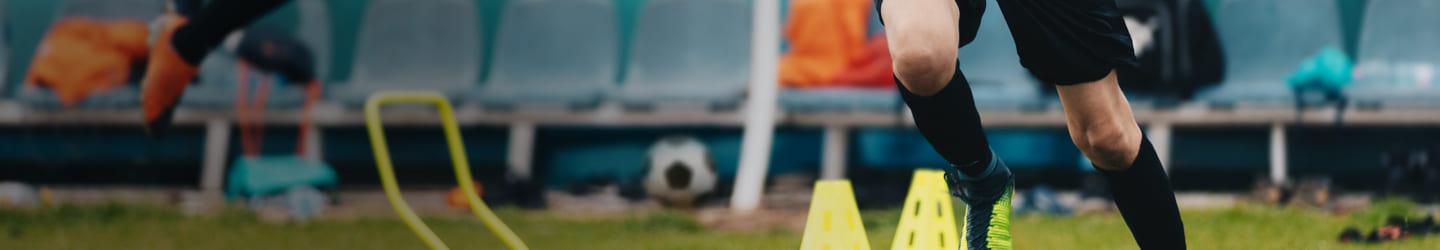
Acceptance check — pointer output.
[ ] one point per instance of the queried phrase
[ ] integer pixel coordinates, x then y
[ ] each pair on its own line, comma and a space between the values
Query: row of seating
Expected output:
546, 53
1264, 41
565, 53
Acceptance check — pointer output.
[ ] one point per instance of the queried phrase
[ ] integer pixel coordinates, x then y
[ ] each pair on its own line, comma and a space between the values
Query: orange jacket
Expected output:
828, 46
826, 37
82, 56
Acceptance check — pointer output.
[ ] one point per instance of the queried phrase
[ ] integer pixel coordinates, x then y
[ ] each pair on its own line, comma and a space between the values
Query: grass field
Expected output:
128, 227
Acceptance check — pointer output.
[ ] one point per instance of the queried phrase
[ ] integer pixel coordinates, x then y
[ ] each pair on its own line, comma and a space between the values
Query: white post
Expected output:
313, 149
832, 161
521, 149
1160, 134
217, 142
1277, 153
760, 113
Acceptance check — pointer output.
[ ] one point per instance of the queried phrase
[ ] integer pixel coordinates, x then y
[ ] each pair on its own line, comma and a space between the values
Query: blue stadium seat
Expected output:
993, 68
840, 100
553, 53
124, 97
216, 87
415, 45
1399, 54
689, 51
4, 50
1264, 42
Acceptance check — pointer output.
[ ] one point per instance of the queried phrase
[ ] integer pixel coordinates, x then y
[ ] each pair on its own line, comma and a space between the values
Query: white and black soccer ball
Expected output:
680, 171
18, 195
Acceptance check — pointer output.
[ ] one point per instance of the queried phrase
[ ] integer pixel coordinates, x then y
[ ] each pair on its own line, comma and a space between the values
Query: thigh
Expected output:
939, 22
1066, 42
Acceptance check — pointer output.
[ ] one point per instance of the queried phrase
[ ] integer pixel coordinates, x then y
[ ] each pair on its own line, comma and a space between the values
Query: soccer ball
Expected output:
18, 195
680, 171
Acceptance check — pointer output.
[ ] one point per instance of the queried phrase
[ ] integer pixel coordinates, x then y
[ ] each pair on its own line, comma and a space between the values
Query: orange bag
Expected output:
81, 56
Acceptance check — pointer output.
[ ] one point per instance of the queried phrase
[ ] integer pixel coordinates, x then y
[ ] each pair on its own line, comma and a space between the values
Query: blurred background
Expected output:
1283, 123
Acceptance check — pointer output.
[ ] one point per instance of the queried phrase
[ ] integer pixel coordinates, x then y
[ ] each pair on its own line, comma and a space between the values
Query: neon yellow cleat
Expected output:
987, 200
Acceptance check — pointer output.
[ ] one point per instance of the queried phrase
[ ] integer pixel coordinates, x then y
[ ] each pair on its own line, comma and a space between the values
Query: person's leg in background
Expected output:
182, 44
1077, 45
923, 37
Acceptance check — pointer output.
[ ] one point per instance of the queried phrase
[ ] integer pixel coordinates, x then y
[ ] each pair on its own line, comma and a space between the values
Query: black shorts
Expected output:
1062, 42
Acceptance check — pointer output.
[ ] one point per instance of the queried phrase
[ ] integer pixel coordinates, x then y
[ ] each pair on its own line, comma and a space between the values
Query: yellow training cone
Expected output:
928, 220
834, 221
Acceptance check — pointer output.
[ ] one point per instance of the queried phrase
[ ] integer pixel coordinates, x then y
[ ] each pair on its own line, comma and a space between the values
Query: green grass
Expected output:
128, 227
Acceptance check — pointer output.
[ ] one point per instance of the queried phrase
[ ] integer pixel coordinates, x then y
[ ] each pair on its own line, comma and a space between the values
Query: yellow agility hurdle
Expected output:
457, 156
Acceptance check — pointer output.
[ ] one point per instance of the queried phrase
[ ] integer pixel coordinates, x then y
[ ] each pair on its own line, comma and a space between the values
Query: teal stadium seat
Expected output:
4, 49
689, 51
127, 96
415, 45
216, 87
1398, 59
993, 68
839, 100
553, 53
1264, 42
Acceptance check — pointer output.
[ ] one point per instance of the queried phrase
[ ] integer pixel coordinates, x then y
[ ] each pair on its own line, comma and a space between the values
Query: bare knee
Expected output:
923, 38
923, 69
1110, 147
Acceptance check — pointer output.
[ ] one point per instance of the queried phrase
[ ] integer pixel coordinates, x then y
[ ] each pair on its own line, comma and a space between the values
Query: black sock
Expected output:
208, 28
1147, 202
949, 120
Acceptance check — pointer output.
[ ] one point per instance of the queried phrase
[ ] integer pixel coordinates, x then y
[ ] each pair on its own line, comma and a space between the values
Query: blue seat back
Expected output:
418, 44
314, 30
691, 42
4, 49
991, 58
1400, 45
143, 10
556, 43
1265, 40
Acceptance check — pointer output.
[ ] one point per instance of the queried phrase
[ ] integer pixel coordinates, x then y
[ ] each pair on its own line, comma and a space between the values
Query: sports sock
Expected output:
209, 27
950, 121
1146, 201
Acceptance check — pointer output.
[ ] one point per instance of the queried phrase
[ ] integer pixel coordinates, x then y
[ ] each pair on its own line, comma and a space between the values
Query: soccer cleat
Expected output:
166, 77
987, 198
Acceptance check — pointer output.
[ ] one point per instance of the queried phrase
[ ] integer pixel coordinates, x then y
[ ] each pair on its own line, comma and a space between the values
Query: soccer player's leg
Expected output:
1077, 45
182, 42
924, 36
1101, 125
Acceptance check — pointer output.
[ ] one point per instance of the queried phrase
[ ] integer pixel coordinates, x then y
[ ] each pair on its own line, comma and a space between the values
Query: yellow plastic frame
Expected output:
457, 155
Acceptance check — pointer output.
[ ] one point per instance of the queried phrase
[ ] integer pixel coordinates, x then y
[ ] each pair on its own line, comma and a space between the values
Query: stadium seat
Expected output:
215, 87
840, 100
4, 50
414, 45
673, 61
553, 53
1398, 54
1264, 42
124, 97
993, 68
